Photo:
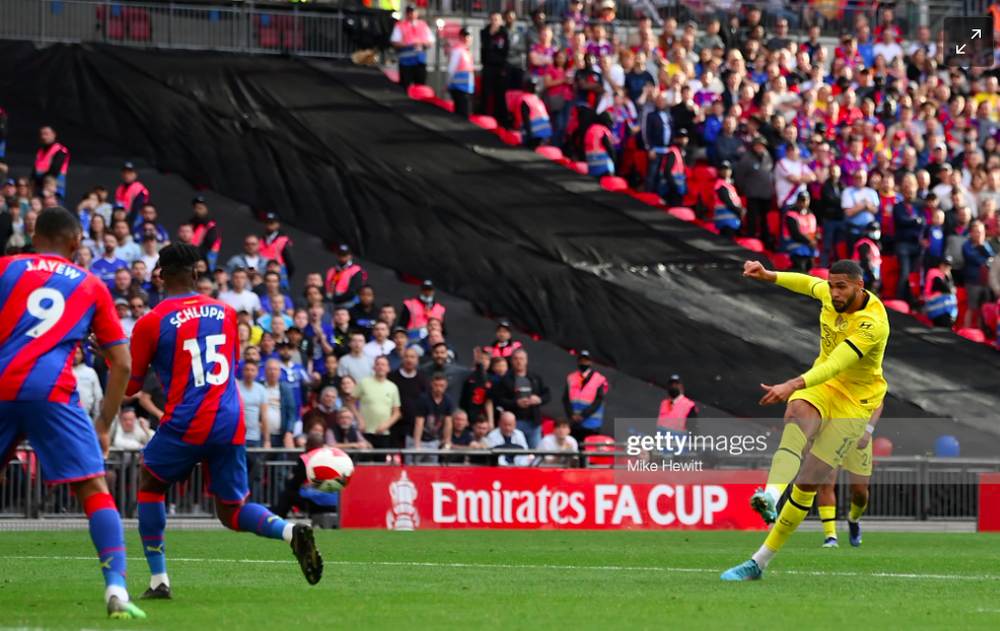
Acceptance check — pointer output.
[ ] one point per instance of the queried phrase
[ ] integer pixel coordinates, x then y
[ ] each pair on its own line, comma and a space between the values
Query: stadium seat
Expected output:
703, 173
552, 153
972, 334
421, 92
897, 305
990, 310
138, 21
915, 288
963, 303
614, 183
486, 122
773, 220
599, 443
841, 251
682, 213
781, 261
511, 137
890, 276
579, 167
820, 272
754, 245
548, 426
653, 199
923, 318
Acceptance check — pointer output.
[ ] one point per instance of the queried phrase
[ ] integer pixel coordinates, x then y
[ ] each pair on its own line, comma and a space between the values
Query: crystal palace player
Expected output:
192, 343
48, 304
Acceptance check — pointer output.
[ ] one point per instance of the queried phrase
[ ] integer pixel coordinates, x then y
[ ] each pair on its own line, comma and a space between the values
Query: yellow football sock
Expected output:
829, 516
786, 461
857, 511
794, 511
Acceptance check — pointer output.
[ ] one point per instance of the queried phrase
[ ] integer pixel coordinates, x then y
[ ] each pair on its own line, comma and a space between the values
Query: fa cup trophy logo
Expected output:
403, 515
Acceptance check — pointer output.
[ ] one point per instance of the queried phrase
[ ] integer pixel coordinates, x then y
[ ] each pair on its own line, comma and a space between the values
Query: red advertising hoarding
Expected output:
408, 498
989, 502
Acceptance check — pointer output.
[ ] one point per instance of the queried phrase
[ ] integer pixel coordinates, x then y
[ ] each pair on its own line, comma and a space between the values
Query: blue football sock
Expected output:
260, 521
108, 537
152, 523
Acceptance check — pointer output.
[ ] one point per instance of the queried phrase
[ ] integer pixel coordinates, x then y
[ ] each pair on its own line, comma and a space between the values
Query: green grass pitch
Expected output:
542, 580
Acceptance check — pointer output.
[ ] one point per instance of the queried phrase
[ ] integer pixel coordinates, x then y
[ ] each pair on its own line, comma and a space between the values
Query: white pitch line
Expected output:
598, 568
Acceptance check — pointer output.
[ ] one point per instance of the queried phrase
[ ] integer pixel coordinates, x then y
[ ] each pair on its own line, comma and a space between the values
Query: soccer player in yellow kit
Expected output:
830, 404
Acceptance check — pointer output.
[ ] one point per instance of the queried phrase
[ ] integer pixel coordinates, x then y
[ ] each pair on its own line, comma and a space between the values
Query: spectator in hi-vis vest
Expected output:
677, 412
583, 398
411, 38
416, 312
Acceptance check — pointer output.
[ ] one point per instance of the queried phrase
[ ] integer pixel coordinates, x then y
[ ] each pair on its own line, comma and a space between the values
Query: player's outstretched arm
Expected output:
799, 283
755, 269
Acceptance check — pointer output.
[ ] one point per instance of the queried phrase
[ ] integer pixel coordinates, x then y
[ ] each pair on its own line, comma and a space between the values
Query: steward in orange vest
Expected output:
676, 410
275, 246
798, 234
417, 311
345, 280
583, 398
502, 347
535, 124
462, 74
52, 159
207, 236
131, 194
675, 183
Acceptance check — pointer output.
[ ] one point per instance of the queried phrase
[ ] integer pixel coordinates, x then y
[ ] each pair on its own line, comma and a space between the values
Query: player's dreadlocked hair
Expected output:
178, 258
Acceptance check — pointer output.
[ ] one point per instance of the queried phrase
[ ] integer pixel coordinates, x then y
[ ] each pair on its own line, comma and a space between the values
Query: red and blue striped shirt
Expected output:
47, 306
192, 343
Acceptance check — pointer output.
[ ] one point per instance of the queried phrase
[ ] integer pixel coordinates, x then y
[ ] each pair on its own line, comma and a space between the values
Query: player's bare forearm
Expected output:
781, 392
119, 369
754, 269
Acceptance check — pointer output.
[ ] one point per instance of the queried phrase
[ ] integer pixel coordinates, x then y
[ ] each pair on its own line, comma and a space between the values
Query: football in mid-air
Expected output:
329, 469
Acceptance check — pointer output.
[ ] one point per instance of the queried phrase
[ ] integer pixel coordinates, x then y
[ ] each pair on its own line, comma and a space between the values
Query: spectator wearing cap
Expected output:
412, 38
677, 412
206, 237
147, 224
250, 258
940, 301
523, 393
656, 131
675, 181
798, 234
400, 343
109, 262
365, 314
131, 193
52, 159
462, 74
416, 311
727, 213
583, 398
502, 346
859, 204
345, 279
277, 246
752, 177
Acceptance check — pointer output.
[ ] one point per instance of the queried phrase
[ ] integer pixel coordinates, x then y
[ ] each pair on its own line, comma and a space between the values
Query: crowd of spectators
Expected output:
867, 147
371, 373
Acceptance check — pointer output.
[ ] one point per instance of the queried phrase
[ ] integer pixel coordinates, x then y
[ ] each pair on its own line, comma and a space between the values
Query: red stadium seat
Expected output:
705, 173
268, 37
897, 305
421, 92
552, 153
890, 276
773, 223
963, 303
511, 137
579, 167
841, 251
486, 122
820, 272
548, 426
652, 199
682, 213
754, 245
139, 28
781, 261
599, 443
391, 75
990, 311
614, 184
115, 27
915, 288
923, 318
972, 334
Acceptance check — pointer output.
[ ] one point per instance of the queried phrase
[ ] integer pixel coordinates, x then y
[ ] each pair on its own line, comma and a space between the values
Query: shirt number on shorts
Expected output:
48, 305
212, 355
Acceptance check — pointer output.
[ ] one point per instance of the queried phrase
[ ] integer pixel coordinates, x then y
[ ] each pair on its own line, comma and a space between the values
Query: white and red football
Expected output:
329, 469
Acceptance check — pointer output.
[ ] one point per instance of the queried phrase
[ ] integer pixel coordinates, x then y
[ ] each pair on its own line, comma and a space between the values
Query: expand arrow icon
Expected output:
960, 50
977, 33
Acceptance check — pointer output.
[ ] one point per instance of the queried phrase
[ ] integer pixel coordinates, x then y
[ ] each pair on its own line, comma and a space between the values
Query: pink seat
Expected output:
614, 184
781, 261
649, 198
820, 272
511, 137
486, 122
972, 334
897, 305
754, 245
421, 92
447, 105
552, 153
579, 167
682, 213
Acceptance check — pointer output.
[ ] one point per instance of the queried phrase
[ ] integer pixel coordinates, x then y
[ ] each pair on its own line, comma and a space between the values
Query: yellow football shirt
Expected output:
852, 345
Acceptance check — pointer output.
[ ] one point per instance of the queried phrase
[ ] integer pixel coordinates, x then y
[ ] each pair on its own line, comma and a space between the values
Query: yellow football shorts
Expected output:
844, 423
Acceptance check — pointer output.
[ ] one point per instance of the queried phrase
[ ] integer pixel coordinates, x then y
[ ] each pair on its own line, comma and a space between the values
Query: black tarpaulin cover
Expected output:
340, 151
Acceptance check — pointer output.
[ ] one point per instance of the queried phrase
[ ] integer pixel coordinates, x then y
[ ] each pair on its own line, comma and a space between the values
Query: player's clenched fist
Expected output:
754, 269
